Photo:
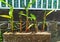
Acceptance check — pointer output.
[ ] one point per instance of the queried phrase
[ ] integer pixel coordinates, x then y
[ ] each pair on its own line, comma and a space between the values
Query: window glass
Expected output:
3, 5
59, 5
10, 2
34, 4
39, 3
55, 4
15, 3
44, 3
21, 3
49, 3
27, 2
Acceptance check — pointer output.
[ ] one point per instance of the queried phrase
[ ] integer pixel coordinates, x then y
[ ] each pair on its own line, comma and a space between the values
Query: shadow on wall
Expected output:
38, 13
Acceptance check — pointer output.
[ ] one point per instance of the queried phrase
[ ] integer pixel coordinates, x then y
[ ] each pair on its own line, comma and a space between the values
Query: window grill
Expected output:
38, 5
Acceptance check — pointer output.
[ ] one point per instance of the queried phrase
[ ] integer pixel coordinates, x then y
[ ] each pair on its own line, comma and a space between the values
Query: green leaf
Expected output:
21, 13
1, 0
30, 26
5, 3
11, 12
24, 14
5, 16
30, 3
11, 8
30, 18
49, 13
33, 16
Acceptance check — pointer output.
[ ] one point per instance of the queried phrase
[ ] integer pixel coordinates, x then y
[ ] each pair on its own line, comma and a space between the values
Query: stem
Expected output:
12, 24
27, 22
11, 21
36, 27
44, 21
20, 24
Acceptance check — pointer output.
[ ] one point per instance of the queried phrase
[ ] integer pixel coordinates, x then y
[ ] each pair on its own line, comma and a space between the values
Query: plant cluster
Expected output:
32, 17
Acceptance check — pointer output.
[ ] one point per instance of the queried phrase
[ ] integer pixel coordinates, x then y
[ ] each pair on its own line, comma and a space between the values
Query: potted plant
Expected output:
23, 37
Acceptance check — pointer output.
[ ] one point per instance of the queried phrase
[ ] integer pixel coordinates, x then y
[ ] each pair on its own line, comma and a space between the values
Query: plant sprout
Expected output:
20, 16
45, 15
26, 15
27, 22
33, 17
10, 16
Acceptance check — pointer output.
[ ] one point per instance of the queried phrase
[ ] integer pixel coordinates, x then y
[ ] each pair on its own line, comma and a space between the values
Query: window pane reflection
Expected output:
39, 3
59, 5
55, 4
27, 2
49, 3
21, 3
34, 4
44, 3
10, 2
3, 5
15, 3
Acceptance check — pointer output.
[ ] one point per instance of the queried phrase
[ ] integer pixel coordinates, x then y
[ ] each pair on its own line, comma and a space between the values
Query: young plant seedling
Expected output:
33, 17
20, 16
44, 21
10, 16
26, 15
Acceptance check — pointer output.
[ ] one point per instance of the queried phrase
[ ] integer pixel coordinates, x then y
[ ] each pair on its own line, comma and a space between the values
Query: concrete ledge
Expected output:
27, 37
58, 41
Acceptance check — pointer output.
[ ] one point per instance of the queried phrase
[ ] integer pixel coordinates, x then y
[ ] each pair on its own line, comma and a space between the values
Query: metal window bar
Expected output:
41, 3
36, 3
6, 2
57, 3
47, 4
13, 3
19, 3
16, 5
52, 4
25, 2
31, 5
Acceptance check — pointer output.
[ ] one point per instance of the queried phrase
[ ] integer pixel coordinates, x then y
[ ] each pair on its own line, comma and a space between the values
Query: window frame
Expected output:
36, 5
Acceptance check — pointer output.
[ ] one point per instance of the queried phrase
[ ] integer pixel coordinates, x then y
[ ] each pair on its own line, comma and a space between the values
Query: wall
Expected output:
38, 13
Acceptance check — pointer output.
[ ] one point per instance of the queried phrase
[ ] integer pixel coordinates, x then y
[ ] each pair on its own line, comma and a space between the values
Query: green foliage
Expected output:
10, 11
29, 4
49, 13
10, 16
1, 0
44, 18
33, 17
5, 16
22, 14
30, 26
26, 8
